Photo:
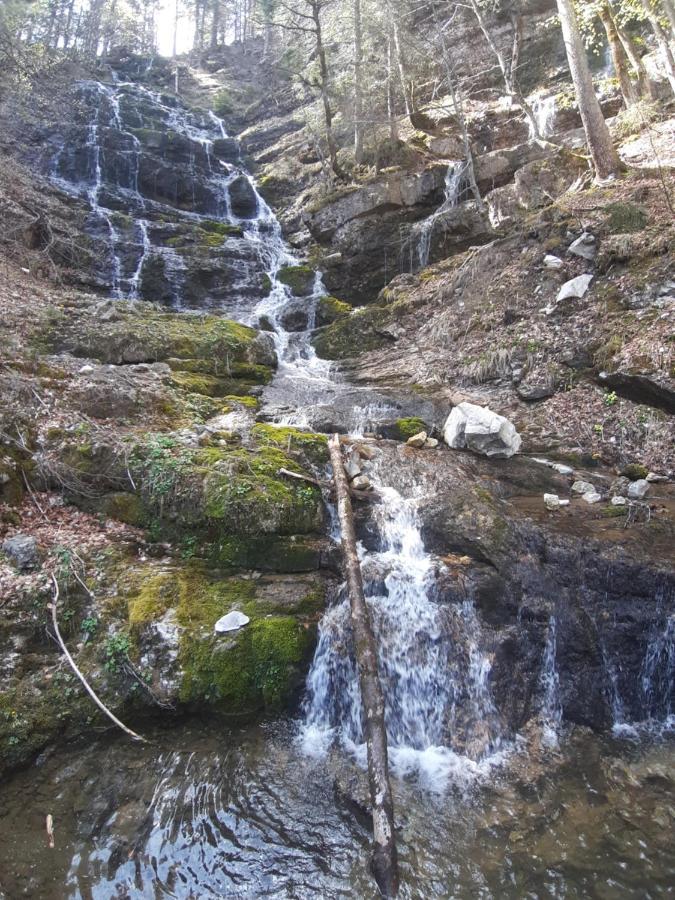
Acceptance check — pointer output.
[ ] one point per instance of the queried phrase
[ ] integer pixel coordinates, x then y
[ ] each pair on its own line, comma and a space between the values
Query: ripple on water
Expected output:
248, 814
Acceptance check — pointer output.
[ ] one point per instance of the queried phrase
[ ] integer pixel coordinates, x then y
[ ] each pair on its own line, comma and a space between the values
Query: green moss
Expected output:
614, 512
269, 554
315, 446
224, 229
635, 471
126, 507
247, 402
330, 309
406, 428
300, 279
359, 333
625, 218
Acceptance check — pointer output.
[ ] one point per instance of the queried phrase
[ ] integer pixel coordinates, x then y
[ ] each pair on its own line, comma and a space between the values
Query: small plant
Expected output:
598, 429
116, 652
610, 398
89, 626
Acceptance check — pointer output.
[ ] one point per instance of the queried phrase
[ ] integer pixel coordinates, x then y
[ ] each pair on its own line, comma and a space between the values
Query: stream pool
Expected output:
203, 811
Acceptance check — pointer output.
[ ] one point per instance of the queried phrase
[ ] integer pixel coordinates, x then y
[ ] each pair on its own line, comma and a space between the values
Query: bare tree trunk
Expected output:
645, 84
358, 88
391, 101
508, 74
662, 41
324, 78
215, 21
384, 860
619, 57
458, 109
175, 28
409, 107
605, 158
669, 8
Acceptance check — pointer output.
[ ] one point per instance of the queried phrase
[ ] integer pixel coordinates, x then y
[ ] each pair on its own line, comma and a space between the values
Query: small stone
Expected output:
85, 370
591, 497
417, 440
22, 549
431, 444
618, 501
575, 288
583, 487
562, 470
366, 451
638, 489
553, 262
584, 246
361, 483
654, 478
233, 621
553, 501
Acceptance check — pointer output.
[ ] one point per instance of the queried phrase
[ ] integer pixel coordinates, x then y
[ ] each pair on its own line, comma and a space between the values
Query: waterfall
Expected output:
440, 717
422, 232
544, 110
551, 707
657, 676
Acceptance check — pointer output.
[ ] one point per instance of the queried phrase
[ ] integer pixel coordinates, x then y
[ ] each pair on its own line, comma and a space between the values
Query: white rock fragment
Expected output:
591, 497
654, 478
576, 287
584, 246
583, 487
431, 444
562, 470
553, 501
618, 501
417, 440
233, 621
85, 370
361, 483
553, 262
479, 429
638, 489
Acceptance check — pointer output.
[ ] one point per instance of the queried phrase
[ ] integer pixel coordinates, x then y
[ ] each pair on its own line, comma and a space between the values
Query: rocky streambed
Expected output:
150, 461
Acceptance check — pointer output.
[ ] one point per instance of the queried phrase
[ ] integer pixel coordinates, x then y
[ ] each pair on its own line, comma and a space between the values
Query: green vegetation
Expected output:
300, 279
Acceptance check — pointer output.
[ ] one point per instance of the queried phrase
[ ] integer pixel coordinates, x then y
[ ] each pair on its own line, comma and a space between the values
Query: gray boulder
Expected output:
22, 549
479, 429
638, 489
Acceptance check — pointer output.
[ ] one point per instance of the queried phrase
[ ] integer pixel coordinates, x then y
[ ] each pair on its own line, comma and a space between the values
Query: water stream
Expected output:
264, 812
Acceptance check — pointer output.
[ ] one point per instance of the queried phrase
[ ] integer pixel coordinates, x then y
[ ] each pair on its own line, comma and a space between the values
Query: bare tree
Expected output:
603, 153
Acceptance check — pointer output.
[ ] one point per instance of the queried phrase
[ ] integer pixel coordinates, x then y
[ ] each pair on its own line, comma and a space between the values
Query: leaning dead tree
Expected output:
384, 861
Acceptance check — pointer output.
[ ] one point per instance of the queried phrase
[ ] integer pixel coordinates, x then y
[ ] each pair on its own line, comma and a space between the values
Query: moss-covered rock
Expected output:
403, 429
625, 218
300, 279
149, 334
635, 471
330, 309
258, 668
311, 445
360, 332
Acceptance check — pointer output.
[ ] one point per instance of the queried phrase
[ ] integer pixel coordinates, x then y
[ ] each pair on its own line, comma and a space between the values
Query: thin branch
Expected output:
73, 666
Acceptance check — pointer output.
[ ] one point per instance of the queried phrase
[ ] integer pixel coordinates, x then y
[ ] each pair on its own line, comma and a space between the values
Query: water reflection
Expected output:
210, 813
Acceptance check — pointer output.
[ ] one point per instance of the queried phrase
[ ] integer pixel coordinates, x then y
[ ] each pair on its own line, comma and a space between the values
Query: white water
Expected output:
441, 721
544, 110
551, 711
422, 232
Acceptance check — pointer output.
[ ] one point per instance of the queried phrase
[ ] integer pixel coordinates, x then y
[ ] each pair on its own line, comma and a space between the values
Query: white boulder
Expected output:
233, 621
576, 287
592, 497
479, 429
638, 489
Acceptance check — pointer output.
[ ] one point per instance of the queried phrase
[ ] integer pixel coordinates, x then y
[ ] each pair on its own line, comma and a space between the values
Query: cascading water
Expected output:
439, 713
544, 109
551, 707
422, 232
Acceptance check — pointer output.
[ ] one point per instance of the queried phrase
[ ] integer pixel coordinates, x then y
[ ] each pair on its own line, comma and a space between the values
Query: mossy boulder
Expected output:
148, 334
362, 331
308, 444
256, 669
402, 429
300, 279
625, 218
330, 309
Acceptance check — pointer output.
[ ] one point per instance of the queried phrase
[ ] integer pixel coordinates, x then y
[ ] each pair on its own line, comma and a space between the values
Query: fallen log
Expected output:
326, 485
384, 861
